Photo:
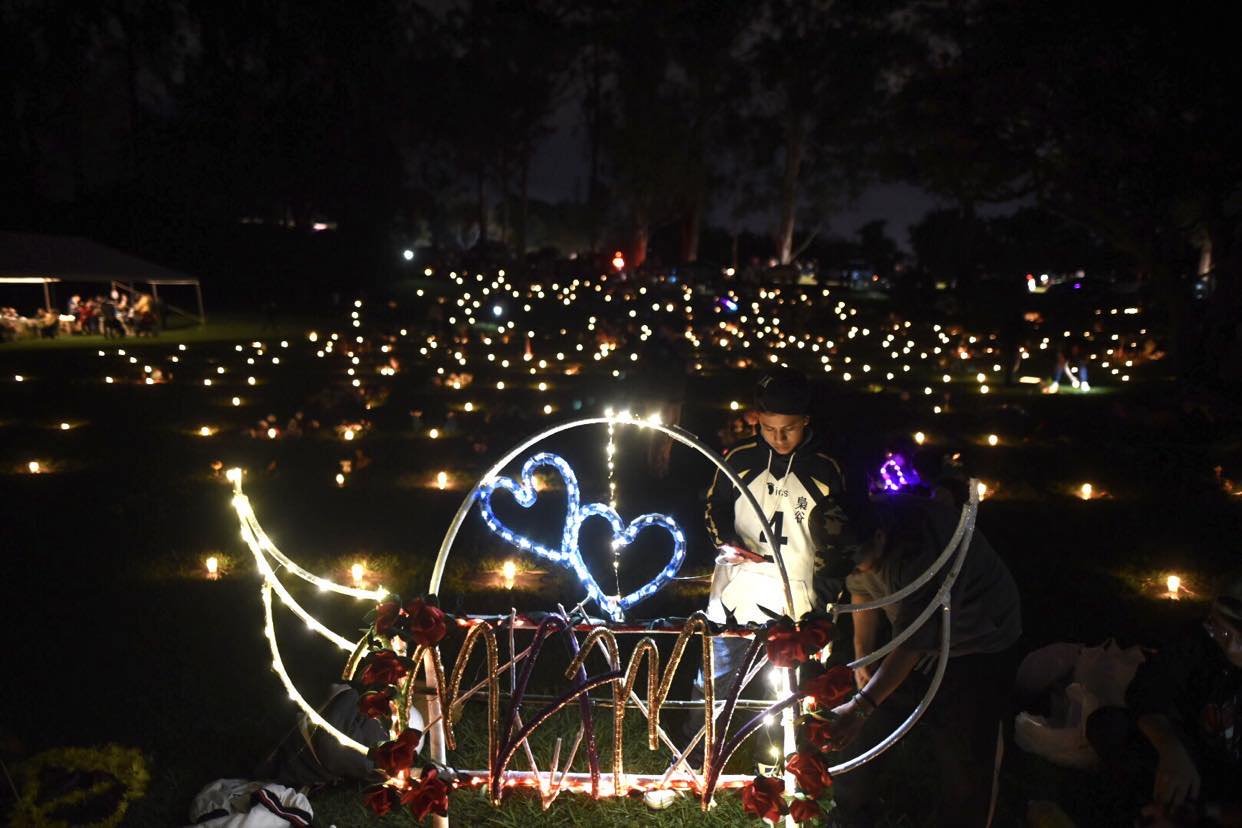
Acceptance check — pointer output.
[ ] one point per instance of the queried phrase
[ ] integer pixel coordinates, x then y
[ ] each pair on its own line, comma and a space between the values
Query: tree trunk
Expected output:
691, 230
642, 235
523, 206
482, 206
794, 140
595, 133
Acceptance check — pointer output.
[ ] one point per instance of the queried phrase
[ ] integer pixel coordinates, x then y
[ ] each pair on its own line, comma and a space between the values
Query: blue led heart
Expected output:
525, 494
570, 554
623, 535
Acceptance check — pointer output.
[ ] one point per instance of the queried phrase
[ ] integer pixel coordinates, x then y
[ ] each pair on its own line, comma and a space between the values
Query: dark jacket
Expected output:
1190, 681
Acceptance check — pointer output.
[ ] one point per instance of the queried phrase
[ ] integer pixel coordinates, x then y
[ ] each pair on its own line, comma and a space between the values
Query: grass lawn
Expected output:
114, 634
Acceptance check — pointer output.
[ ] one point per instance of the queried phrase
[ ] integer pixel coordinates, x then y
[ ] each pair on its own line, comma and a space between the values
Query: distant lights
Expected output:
993, 440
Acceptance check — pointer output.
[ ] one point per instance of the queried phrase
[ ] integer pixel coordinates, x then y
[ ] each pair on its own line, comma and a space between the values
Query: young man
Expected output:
795, 483
1178, 745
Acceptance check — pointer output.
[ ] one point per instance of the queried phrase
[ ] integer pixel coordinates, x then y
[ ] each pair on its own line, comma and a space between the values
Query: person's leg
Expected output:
727, 653
964, 723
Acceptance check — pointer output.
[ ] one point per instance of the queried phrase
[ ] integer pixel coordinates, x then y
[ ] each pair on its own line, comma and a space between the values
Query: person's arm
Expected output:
849, 717
719, 517
866, 629
1177, 778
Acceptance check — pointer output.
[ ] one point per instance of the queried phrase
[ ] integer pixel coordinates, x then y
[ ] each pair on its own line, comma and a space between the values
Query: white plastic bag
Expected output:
1065, 742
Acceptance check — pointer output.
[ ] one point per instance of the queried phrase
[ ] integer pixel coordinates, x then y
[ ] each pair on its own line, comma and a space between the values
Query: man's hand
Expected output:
863, 674
1177, 778
847, 721
729, 554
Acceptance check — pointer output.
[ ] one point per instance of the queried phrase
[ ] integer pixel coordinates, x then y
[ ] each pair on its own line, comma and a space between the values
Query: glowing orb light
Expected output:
993, 440
1086, 492
508, 572
1174, 584
920, 437
442, 480
357, 572
34, 467
213, 567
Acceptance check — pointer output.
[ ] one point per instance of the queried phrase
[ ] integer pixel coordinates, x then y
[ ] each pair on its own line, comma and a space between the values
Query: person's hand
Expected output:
729, 554
847, 721
863, 674
1155, 816
1177, 778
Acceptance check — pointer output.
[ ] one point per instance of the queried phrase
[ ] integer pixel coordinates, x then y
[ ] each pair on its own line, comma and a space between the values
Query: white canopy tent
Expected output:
33, 259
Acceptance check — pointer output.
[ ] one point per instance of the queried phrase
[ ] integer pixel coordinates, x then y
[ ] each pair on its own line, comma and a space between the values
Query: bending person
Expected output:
897, 538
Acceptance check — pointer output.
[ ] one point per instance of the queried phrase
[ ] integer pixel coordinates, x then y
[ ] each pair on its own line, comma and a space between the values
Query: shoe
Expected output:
1084, 386
1052, 389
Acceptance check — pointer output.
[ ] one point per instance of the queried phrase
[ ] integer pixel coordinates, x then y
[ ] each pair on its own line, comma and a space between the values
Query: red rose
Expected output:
386, 616
816, 635
383, 668
426, 623
375, 705
430, 796
818, 732
763, 799
805, 810
379, 798
829, 688
398, 754
784, 645
808, 767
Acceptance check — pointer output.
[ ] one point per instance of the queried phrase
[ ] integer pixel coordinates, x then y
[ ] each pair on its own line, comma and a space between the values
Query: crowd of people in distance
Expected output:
112, 315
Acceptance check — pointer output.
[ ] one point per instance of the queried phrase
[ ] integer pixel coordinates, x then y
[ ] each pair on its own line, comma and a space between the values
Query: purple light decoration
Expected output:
895, 475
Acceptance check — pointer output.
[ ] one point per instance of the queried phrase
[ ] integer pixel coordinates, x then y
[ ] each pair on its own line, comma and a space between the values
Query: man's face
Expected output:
783, 432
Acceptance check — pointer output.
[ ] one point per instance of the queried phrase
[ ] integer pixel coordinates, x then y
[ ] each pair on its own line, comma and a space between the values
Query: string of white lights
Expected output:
269, 630
269, 577
241, 504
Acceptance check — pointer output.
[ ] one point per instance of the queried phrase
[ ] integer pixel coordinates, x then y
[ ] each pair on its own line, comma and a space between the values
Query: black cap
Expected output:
783, 391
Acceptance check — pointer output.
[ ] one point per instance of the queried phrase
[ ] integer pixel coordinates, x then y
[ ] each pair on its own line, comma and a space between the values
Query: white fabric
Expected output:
744, 587
233, 796
1100, 678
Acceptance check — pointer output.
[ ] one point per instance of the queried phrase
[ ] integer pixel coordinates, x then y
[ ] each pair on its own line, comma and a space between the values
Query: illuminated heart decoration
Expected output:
525, 494
570, 555
624, 535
